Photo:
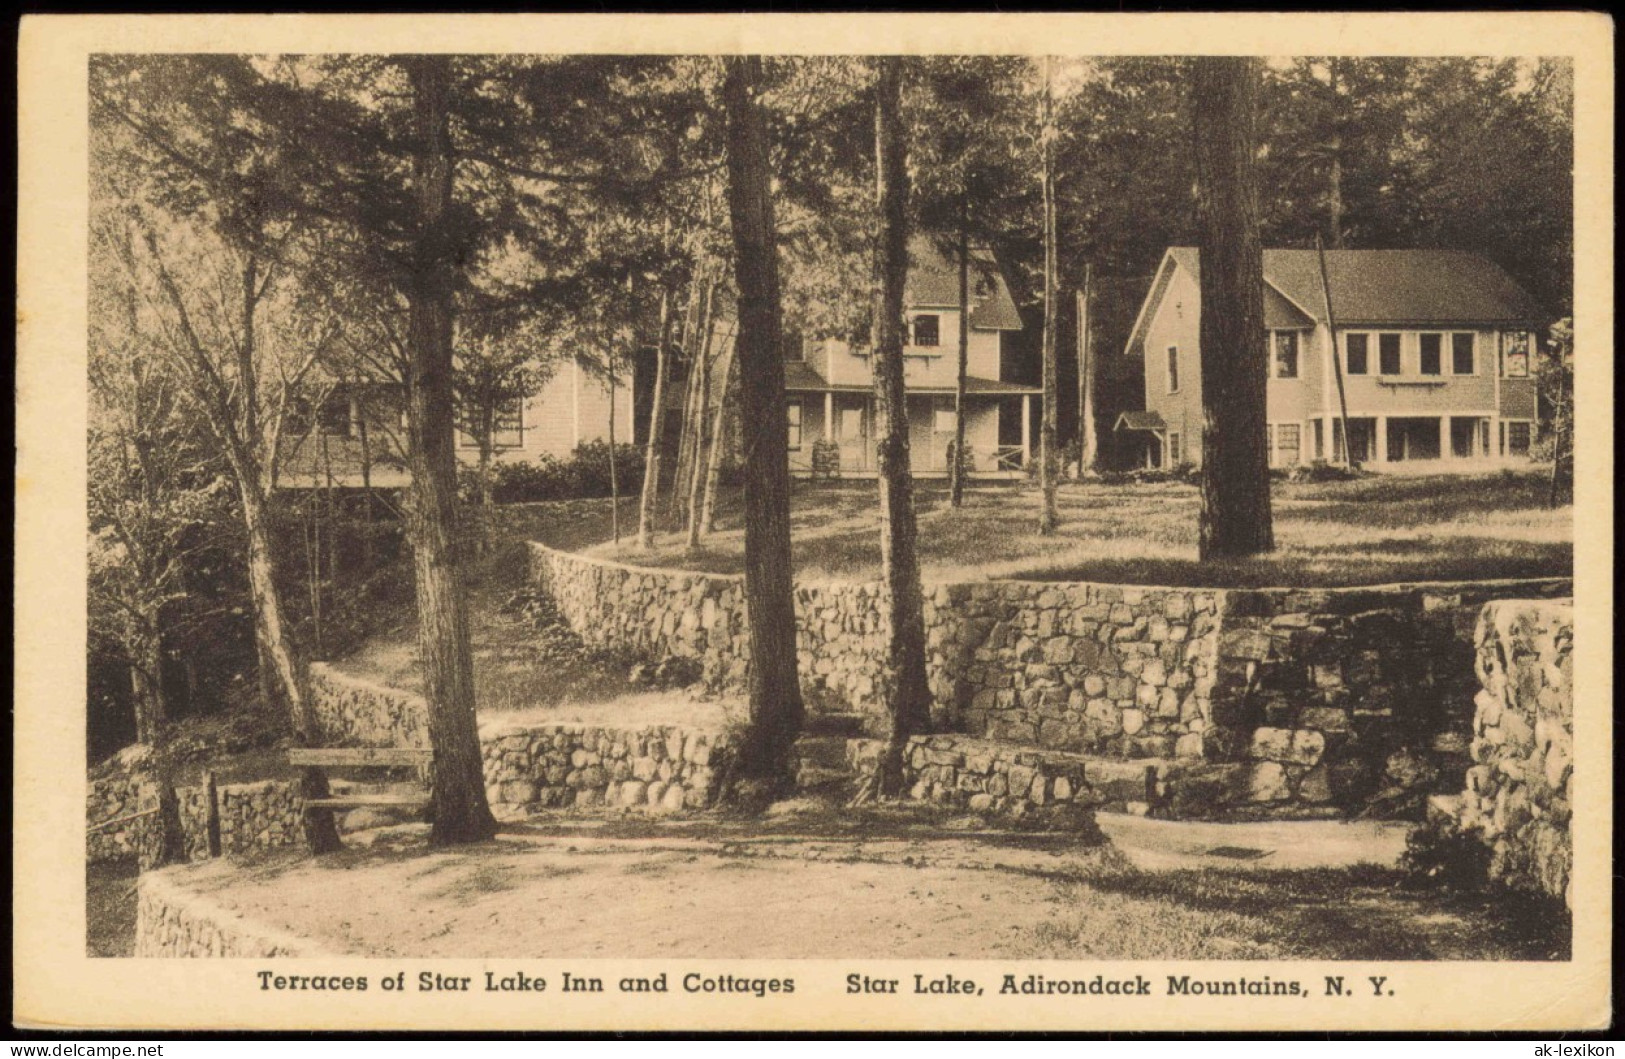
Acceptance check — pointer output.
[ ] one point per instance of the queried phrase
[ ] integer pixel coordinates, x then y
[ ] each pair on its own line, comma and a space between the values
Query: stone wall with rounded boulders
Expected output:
657, 769
355, 712
174, 921
647, 614
1114, 670
118, 797
1519, 793
254, 817
1328, 700
991, 778
660, 768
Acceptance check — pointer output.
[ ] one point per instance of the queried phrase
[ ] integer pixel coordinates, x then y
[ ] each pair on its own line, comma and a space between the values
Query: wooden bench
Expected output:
366, 757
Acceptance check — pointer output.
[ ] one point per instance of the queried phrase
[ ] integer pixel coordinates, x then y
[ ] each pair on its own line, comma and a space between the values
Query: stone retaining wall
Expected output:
112, 798
354, 712
1519, 792
989, 777
661, 769
1341, 696
172, 921
254, 818
1326, 698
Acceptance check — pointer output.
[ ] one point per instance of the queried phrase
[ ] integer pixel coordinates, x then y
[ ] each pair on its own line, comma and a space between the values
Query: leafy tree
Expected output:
156, 498
213, 252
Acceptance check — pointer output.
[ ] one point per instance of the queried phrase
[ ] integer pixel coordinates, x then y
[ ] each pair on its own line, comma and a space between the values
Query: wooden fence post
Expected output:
211, 801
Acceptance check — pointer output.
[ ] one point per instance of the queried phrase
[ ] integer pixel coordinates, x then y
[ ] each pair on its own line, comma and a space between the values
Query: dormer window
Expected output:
927, 330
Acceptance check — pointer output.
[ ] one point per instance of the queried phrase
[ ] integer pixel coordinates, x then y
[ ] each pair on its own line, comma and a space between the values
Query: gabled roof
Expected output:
1151, 421
1392, 288
933, 281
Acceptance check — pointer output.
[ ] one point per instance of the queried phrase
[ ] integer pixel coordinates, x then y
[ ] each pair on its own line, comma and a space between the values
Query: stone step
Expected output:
815, 778
824, 751
845, 725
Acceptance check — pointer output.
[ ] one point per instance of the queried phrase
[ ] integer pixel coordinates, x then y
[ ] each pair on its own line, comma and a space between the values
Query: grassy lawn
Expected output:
1374, 530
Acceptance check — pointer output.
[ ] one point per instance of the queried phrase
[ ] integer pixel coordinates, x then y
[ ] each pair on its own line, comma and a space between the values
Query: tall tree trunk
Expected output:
908, 697
1235, 514
762, 769
1088, 442
713, 458
695, 345
702, 425
147, 685
366, 489
284, 670
956, 464
1049, 457
614, 478
461, 813
657, 428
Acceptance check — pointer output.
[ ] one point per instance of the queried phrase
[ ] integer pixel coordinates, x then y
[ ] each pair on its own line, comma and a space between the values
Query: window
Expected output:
795, 346
1175, 453
942, 420
334, 416
1388, 353
1515, 347
1358, 355
1462, 360
926, 330
1517, 439
1320, 439
1430, 353
1286, 444
508, 424
1173, 369
793, 413
1284, 364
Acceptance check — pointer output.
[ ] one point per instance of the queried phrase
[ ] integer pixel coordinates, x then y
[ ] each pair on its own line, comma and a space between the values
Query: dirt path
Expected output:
541, 895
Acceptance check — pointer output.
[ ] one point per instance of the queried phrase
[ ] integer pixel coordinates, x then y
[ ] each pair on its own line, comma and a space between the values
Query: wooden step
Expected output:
378, 800
359, 756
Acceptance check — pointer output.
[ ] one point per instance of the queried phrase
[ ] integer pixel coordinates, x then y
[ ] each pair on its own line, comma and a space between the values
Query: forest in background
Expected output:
256, 237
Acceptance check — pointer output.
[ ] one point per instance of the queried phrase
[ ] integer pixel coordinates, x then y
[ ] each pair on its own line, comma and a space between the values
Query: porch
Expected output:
847, 419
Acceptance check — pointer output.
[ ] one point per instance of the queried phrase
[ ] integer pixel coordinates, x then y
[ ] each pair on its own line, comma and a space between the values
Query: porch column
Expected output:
829, 415
1381, 441
1026, 428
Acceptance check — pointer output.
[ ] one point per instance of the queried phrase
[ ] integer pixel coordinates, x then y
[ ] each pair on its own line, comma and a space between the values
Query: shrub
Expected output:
1321, 471
585, 474
589, 469
1441, 855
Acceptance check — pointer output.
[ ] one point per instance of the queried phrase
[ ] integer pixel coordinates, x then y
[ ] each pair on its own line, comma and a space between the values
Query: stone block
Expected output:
1268, 783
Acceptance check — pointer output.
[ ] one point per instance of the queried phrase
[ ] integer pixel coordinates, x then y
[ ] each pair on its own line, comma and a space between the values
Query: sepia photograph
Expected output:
741, 525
